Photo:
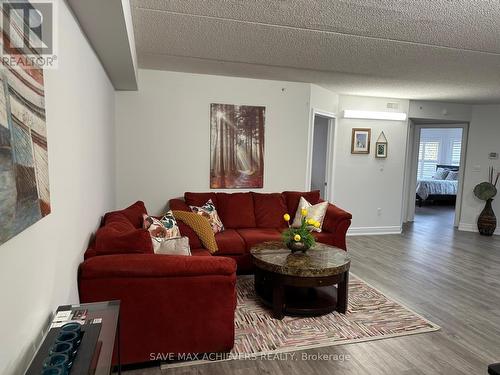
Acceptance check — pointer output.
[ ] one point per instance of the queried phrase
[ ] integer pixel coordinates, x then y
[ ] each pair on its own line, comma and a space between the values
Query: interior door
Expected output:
320, 155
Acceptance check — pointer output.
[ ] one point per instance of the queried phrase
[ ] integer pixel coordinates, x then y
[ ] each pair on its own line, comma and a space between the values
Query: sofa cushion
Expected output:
199, 199
230, 242
236, 210
118, 236
253, 236
292, 199
269, 210
133, 213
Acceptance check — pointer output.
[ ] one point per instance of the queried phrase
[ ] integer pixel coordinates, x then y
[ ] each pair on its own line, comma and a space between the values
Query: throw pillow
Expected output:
292, 198
315, 212
174, 246
209, 212
118, 236
133, 213
441, 174
201, 226
453, 176
161, 229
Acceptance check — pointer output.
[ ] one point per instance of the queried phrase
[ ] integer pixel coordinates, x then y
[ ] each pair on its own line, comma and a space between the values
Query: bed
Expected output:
432, 189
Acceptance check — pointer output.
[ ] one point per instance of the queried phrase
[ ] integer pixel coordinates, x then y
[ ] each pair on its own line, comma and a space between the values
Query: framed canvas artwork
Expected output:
236, 146
24, 171
360, 142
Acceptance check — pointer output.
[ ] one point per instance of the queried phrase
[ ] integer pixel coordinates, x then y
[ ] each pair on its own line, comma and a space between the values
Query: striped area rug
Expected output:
371, 316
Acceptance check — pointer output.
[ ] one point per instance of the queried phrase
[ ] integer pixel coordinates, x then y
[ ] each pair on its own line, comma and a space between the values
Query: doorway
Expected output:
437, 162
321, 153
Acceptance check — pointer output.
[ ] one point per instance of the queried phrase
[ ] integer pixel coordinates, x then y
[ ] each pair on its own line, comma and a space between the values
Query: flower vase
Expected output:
297, 246
487, 221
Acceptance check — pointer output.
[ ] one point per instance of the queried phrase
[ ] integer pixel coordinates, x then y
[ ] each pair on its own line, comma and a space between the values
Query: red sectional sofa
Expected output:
169, 303
250, 218
185, 304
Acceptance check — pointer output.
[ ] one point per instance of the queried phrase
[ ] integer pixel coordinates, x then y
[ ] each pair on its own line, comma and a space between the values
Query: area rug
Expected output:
371, 316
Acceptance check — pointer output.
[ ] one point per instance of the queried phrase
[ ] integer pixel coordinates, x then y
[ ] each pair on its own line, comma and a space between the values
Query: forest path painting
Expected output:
24, 175
236, 146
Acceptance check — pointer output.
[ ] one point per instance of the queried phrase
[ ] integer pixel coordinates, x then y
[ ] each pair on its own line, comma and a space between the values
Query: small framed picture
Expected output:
360, 142
381, 149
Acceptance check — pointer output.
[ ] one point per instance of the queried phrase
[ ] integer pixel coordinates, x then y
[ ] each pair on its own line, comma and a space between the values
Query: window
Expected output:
428, 156
456, 150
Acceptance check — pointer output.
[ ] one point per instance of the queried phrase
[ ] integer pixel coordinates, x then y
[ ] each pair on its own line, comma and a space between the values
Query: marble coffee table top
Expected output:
320, 260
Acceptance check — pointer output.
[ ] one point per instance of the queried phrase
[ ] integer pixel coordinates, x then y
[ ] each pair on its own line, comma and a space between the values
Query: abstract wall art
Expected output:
24, 174
236, 146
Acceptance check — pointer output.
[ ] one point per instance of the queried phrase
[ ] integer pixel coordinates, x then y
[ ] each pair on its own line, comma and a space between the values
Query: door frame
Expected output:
414, 141
330, 165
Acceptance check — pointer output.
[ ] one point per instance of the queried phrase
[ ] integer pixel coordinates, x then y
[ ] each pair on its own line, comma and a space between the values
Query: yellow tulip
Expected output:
286, 217
310, 221
303, 212
297, 237
317, 224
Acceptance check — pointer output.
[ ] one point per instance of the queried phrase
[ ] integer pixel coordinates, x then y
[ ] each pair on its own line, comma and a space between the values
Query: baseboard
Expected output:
369, 231
465, 227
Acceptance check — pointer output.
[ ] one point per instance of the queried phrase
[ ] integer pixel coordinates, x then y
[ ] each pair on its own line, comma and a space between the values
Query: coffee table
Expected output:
314, 283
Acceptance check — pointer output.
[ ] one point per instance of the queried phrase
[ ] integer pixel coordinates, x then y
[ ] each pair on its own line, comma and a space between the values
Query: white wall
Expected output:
162, 133
38, 267
439, 111
363, 183
323, 99
484, 137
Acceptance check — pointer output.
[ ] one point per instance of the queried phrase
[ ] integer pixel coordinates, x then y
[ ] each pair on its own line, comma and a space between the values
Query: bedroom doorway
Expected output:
437, 165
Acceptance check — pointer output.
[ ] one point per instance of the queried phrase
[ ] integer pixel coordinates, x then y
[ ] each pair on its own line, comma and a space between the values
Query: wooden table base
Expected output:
302, 296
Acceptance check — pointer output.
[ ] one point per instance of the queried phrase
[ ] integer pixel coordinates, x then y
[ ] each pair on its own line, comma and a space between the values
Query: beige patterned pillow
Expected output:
316, 212
175, 246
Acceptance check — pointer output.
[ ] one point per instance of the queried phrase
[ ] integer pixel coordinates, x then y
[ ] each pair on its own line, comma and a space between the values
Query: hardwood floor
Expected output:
452, 278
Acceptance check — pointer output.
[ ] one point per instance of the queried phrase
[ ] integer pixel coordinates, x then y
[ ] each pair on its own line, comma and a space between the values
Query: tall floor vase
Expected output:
487, 221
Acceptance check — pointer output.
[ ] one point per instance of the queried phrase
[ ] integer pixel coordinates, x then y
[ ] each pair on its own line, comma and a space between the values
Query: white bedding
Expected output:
426, 187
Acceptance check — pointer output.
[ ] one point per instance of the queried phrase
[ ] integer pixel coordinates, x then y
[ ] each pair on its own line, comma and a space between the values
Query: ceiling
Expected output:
446, 50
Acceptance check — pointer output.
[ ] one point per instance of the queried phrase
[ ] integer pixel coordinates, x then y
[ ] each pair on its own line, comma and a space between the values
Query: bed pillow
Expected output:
452, 176
441, 174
